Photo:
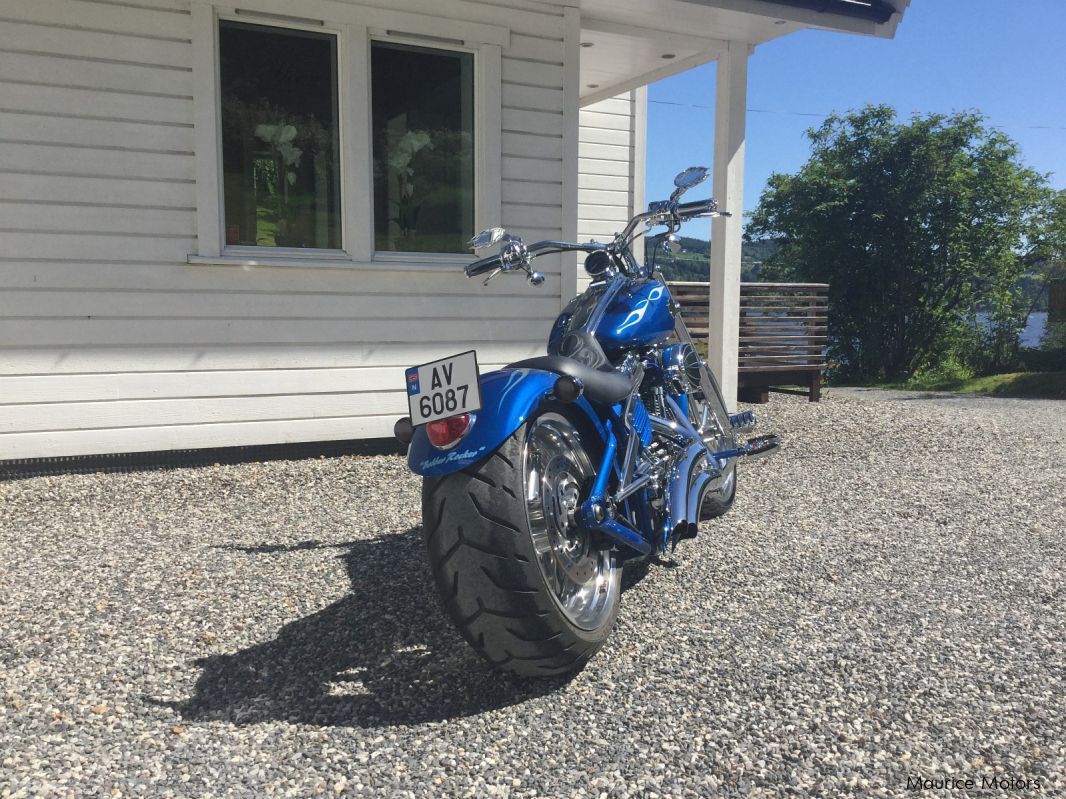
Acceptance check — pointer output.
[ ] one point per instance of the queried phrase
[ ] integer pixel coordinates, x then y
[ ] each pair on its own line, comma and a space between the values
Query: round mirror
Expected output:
672, 243
692, 176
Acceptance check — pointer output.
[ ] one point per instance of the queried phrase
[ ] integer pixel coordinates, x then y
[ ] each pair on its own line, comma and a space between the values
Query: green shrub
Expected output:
948, 372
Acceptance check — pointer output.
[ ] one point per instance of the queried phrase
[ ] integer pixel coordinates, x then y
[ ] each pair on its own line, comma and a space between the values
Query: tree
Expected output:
916, 226
1046, 263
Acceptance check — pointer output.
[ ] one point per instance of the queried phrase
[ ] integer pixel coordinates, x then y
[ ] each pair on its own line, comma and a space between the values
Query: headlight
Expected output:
597, 263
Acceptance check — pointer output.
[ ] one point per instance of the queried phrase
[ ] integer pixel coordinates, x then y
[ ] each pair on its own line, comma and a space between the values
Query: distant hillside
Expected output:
693, 262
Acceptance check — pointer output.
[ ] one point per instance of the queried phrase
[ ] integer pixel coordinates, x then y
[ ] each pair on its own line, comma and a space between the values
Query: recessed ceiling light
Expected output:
594, 85
668, 55
587, 44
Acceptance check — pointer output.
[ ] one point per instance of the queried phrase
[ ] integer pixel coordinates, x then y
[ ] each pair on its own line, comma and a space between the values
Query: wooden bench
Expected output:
783, 333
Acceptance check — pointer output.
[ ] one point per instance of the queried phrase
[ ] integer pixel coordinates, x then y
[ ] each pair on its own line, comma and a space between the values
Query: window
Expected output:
343, 140
423, 148
280, 137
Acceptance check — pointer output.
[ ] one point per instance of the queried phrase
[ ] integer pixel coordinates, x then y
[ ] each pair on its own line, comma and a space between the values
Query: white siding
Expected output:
111, 342
611, 165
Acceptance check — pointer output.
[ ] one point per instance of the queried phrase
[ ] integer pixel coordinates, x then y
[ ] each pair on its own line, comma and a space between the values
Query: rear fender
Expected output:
508, 398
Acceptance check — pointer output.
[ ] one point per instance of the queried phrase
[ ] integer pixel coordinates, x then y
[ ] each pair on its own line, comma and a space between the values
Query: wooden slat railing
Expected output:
783, 333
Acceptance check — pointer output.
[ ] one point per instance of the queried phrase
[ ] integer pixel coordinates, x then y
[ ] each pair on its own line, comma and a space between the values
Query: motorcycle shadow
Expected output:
385, 654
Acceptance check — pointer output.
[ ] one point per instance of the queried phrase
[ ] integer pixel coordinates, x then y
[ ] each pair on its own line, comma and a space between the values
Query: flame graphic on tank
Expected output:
641, 308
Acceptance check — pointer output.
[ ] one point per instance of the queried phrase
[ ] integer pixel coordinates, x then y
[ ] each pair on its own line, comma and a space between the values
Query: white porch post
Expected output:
723, 322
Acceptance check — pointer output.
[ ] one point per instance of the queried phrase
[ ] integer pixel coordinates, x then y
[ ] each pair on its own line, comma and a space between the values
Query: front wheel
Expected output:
527, 587
720, 501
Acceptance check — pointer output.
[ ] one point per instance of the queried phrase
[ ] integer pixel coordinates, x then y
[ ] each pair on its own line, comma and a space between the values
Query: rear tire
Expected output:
492, 556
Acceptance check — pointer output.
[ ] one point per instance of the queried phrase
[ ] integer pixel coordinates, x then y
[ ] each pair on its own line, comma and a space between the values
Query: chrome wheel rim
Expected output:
582, 578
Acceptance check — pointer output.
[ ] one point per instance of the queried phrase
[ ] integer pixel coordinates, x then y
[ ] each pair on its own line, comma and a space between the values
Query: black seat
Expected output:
581, 357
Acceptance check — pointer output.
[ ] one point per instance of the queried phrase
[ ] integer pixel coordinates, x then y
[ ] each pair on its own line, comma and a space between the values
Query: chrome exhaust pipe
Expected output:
707, 480
692, 476
696, 472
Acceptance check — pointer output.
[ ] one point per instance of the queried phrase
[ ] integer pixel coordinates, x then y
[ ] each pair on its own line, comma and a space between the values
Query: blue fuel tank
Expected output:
639, 315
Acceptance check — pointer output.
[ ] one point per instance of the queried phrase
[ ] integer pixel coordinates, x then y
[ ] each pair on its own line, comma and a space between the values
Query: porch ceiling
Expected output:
629, 43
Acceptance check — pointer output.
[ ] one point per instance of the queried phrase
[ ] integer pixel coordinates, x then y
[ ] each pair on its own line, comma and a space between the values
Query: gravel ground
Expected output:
885, 602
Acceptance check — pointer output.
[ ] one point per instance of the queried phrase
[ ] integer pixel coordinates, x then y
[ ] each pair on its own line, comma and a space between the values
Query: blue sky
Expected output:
1004, 58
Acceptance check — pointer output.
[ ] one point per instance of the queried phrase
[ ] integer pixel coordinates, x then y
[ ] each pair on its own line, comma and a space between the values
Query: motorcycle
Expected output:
543, 478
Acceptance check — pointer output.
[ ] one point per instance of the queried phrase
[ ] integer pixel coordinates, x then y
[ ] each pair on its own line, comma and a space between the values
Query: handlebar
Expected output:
658, 213
669, 211
492, 262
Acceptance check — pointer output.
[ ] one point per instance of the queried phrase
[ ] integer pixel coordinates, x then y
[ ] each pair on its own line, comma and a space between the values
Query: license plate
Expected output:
443, 388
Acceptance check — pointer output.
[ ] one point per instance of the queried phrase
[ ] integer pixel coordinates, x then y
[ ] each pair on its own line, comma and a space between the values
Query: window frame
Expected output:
355, 27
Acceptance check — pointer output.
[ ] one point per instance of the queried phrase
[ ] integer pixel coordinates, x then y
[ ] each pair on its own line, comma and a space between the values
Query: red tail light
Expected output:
445, 433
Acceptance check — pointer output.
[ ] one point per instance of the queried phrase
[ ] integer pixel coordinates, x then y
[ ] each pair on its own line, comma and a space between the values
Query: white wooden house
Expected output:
232, 223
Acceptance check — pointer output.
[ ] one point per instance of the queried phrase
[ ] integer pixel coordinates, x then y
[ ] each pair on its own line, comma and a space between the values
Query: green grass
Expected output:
1044, 385
1030, 385
1023, 385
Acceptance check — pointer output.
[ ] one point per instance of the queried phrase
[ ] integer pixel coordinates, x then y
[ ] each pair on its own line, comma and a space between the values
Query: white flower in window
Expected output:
281, 137
401, 155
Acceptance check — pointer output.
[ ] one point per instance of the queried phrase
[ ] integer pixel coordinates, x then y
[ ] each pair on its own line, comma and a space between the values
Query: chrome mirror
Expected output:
672, 243
488, 237
693, 176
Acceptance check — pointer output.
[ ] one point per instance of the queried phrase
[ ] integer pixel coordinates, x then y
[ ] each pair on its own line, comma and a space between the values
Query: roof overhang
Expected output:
630, 43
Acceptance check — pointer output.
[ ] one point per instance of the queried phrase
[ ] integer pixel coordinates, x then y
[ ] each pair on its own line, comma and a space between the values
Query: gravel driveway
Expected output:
885, 602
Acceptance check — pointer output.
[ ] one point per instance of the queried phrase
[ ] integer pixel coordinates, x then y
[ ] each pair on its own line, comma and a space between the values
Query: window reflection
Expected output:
280, 157
423, 139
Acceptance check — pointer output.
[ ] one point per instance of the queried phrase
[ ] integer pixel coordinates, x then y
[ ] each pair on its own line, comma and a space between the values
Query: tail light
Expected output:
446, 433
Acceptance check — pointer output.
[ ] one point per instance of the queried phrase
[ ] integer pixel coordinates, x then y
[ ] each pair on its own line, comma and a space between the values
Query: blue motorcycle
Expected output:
541, 479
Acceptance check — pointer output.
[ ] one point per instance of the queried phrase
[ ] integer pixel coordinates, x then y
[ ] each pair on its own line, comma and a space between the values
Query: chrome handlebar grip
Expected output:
697, 208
